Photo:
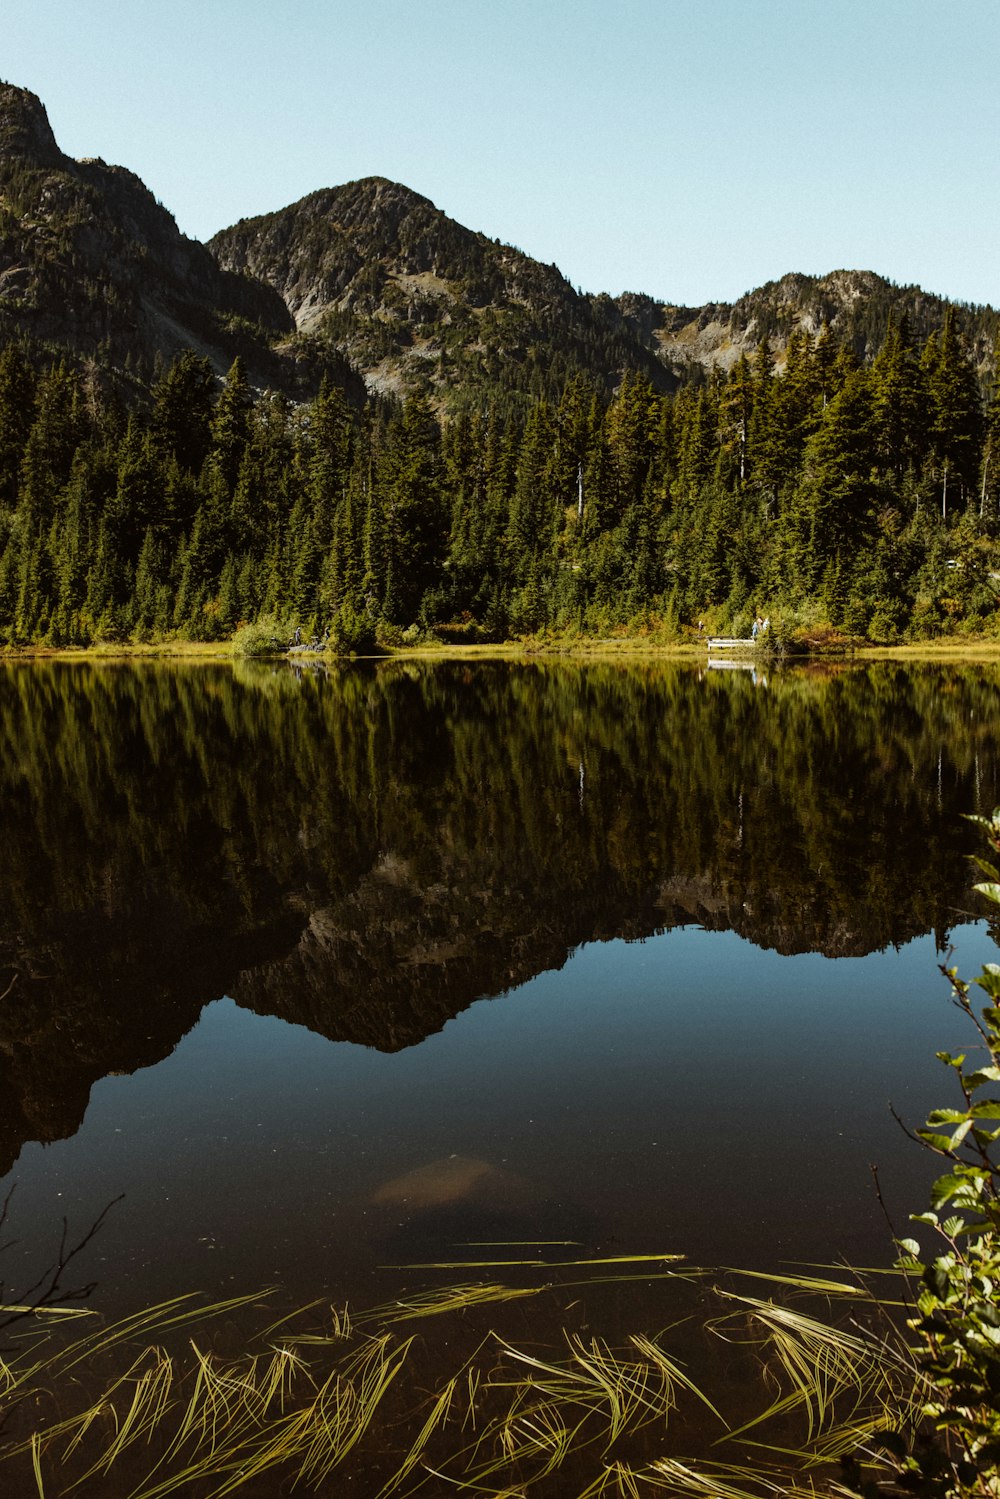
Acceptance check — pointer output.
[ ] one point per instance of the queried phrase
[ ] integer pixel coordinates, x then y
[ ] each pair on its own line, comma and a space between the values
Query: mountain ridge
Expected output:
92, 263
415, 298
371, 282
437, 278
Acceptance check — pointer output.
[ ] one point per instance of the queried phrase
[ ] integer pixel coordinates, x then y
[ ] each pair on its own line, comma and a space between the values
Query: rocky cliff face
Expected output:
417, 300
855, 305
372, 277
89, 260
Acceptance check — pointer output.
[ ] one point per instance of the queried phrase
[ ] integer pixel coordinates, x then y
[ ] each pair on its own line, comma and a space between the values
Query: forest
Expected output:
844, 499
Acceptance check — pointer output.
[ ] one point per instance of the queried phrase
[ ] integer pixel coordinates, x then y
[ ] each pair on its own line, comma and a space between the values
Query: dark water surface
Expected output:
352, 970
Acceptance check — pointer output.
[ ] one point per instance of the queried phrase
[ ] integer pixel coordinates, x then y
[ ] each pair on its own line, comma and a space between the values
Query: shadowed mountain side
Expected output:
394, 961
418, 301
370, 276
91, 262
786, 921
415, 299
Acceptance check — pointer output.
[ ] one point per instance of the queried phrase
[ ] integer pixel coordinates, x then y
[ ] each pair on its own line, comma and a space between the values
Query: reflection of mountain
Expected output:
367, 853
107, 995
392, 961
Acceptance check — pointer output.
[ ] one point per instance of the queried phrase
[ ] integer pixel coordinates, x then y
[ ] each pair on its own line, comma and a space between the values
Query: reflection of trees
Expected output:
369, 850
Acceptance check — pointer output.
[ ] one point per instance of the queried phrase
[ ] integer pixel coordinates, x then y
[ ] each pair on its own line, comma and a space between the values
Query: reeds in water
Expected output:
308, 1405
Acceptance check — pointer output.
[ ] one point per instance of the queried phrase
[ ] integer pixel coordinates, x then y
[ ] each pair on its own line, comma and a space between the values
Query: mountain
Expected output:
371, 280
91, 263
417, 301
856, 305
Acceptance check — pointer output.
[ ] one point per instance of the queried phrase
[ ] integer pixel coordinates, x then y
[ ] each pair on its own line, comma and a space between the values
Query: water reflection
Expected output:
366, 852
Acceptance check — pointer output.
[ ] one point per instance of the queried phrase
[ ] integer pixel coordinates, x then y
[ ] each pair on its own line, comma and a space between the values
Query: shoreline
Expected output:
632, 646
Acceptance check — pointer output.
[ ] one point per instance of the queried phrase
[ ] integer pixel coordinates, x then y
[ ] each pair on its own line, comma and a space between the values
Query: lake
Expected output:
327, 974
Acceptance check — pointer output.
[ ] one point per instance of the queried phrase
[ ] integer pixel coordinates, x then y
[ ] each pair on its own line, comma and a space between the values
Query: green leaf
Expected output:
991, 891
936, 1142
945, 1187
963, 1187
987, 1108
982, 1075
947, 1116
989, 823
909, 1245
950, 1061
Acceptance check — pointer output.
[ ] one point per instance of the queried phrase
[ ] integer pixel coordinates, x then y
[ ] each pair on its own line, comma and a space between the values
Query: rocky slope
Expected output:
92, 263
372, 277
416, 300
856, 305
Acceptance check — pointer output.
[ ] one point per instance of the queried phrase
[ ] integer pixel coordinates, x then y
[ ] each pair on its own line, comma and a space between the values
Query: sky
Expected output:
688, 149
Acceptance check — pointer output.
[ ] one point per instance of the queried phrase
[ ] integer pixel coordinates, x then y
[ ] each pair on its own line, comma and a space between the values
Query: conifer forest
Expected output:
829, 493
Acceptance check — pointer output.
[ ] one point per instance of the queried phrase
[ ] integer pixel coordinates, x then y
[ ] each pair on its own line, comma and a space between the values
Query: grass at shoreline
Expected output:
951, 648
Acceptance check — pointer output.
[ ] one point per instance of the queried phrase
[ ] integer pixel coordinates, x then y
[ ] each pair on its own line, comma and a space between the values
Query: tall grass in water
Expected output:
315, 1403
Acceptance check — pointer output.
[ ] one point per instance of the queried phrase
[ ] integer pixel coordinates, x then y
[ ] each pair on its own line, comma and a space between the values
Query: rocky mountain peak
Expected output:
92, 262
371, 279
24, 127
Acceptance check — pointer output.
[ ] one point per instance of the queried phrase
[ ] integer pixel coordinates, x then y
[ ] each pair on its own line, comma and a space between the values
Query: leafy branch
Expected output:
956, 1316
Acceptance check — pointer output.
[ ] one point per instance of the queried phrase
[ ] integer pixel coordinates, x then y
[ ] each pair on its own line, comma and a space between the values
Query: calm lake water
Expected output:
343, 971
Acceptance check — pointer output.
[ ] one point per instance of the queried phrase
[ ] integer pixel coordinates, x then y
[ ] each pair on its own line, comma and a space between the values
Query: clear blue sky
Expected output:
691, 149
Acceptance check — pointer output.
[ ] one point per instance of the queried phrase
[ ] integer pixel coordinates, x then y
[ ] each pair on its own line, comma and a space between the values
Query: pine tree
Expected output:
955, 414
58, 427
17, 414
838, 478
181, 419
414, 512
231, 424
989, 484
533, 508
899, 404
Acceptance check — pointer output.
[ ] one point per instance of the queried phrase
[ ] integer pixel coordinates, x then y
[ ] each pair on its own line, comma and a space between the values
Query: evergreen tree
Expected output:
838, 484
899, 404
17, 412
181, 420
955, 415
989, 488
231, 424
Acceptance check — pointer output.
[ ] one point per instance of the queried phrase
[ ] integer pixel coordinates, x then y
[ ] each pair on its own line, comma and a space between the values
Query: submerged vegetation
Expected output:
321, 1396
897, 1391
840, 499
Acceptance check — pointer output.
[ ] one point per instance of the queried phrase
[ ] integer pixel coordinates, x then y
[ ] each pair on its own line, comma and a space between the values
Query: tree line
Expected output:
861, 497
